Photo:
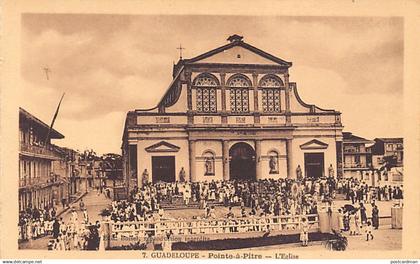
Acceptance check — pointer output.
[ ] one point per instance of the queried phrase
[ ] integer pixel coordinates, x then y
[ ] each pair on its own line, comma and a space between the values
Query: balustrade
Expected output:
144, 229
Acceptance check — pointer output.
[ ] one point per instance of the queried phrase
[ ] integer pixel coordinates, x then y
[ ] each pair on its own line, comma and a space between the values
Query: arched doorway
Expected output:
242, 162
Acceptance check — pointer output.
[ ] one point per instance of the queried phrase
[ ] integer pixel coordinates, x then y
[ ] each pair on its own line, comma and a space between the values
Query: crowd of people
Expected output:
356, 221
276, 197
35, 223
257, 200
359, 191
251, 206
77, 233
263, 205
262, 194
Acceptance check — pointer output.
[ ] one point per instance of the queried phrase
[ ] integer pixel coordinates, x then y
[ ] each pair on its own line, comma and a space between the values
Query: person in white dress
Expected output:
304, 237
85, 216
167, 242
369, 231
101, 233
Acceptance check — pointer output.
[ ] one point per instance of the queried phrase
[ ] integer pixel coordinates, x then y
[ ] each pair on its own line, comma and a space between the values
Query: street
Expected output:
94, 203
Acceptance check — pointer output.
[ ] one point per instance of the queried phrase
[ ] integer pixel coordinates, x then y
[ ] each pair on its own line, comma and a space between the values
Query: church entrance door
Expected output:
163, 169
242, 162
314, 165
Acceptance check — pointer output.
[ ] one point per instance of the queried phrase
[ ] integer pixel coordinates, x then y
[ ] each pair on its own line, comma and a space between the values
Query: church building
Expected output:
231, 113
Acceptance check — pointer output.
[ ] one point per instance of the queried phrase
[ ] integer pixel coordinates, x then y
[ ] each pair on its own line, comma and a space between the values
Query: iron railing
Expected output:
40, 150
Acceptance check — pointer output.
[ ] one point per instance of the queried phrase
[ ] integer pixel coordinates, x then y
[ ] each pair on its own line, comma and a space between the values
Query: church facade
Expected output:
231, 113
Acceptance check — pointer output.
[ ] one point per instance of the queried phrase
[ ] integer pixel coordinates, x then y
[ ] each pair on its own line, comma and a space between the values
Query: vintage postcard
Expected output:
166, 130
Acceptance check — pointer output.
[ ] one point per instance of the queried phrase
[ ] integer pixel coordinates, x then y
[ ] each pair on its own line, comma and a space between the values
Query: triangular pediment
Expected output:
162, 146
314, 144
238, 52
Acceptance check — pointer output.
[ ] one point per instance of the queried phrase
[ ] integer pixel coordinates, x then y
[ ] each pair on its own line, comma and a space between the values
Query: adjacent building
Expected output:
388, 156
39, 183
357, 155
231, 113
391, 149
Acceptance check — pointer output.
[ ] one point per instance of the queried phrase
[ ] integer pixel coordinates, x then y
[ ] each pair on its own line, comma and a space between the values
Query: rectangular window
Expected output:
271, 100
239, 100
133, 160
206, 100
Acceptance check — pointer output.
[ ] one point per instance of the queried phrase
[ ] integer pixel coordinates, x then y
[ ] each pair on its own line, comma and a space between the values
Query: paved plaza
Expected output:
385, 238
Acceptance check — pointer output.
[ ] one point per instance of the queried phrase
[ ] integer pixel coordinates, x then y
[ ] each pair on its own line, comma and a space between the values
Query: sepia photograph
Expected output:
217, 136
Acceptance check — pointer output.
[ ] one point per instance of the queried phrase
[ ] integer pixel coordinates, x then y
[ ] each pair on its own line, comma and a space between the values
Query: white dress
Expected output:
101, 239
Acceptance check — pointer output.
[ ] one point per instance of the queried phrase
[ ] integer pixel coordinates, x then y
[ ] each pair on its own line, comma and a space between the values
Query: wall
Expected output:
329, 153
212, 146
352, 174
144, 158
161, 119
181, 104
295, 106
231, 56
280, 147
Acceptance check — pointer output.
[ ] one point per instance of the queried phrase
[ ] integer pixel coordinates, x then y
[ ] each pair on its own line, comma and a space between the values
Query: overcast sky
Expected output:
108, 65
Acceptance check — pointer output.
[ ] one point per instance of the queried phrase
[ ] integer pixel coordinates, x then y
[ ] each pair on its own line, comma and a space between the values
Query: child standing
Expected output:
304, 232
369, 231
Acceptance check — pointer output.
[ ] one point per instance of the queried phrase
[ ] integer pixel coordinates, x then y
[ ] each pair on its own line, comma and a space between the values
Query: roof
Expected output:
236, 40
168, 90
53, 134
348, 137
390, 140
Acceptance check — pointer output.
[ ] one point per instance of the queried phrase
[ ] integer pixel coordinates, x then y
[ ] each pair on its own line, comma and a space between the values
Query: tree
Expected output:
389, 162
112, 166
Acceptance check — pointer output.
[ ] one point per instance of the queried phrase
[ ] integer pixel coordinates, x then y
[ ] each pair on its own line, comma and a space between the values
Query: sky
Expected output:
110, 64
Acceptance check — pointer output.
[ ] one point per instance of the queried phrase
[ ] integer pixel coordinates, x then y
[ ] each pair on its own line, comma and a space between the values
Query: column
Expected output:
225, 157
107, 234
339, 158
258, 159
191, 144
287, 93
189, 97
189, 92
223, 90
256, 109
289, 153
373, 178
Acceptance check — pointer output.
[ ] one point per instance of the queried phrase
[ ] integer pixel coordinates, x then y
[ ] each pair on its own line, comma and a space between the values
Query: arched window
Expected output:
239, 93
206, 98
209, 163
271, 93
273, 162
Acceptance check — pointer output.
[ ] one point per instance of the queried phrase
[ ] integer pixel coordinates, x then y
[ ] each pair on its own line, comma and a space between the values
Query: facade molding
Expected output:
157, 147
314, 144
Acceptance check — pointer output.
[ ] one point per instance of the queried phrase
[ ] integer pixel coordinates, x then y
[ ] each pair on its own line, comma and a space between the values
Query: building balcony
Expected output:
356, 166
358, 152
397, 178
38, 182
37, 151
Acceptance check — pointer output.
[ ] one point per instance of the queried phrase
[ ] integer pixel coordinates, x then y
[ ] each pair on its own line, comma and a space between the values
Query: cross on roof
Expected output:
180, 48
